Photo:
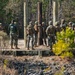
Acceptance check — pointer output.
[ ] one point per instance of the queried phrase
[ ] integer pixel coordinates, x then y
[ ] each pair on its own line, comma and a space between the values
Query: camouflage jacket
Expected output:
13, 29
50, 31
30, 30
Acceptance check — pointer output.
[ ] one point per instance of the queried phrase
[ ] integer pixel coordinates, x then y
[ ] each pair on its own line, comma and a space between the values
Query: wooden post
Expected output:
50, 10
40, 54
40, 40
59, 11
55, 11
25, 24
27, 12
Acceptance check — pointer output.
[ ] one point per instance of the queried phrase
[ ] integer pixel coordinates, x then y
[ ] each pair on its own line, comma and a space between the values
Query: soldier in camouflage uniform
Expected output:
57, 29
44, 33
50, 31
30, 32
36, 33
13, 31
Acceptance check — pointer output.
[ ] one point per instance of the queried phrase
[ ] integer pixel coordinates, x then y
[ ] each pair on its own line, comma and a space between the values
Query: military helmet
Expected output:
70, 23
36, 22
15, 22
30, 22
62, 20
43, 23
57, 23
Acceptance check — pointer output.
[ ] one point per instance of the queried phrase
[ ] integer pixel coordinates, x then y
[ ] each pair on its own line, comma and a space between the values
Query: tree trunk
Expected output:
40, 40
55, 12
25, 22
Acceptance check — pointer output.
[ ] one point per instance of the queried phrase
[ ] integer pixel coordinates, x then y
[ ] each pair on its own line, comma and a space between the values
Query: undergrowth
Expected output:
65, 43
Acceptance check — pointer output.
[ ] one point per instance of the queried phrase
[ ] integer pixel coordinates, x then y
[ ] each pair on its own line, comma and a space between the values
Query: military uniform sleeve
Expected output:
18, 30
47, 30
8, 29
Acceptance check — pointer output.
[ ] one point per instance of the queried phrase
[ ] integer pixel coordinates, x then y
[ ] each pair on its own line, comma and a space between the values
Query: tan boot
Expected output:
16, 47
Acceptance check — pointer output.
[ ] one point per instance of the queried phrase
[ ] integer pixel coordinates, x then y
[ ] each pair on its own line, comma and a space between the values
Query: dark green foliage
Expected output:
68, 9
3, 3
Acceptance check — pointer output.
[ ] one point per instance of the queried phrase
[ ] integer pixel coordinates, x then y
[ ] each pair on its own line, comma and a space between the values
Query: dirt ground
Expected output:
46, 60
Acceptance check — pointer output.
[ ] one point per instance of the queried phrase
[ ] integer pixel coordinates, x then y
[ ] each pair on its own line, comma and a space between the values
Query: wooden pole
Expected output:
25, 24
59, 11
55, 12
40, 41
50, 10
27, 12
40, 12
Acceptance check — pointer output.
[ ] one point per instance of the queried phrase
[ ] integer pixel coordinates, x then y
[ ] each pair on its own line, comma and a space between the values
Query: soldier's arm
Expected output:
47, 30
18, 30
27, 30
8, 29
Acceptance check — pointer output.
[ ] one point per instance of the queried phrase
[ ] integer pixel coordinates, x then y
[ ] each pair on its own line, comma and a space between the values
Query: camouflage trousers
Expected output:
14, 39
35, 39
51, 41
30, 41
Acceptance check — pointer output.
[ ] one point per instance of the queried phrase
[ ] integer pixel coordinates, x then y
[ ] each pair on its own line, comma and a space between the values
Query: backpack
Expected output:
29, 30
13, 28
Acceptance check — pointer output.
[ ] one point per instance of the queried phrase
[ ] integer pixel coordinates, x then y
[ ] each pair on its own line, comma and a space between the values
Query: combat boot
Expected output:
12, 47
16, 47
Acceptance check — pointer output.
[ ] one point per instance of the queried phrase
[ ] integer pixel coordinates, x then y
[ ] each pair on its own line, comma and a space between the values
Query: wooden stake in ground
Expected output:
55, 11
25, 23
40, 40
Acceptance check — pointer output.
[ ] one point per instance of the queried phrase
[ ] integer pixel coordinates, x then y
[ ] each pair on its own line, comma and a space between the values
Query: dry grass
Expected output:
46, 60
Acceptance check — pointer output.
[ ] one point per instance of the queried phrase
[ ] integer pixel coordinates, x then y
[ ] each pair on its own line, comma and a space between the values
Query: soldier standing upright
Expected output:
13, 31
50, 31
30, 32
36, 33
57, 29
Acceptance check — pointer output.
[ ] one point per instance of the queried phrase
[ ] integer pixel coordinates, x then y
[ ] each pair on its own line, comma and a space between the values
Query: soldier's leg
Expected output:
50, 43
16, 43
32, 42
51, 46
28, 41
35, 40
45, 41
48, 40
11, 41
53, 39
